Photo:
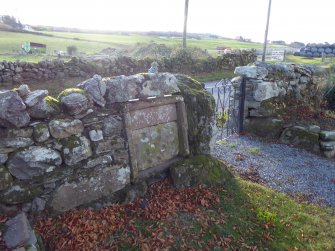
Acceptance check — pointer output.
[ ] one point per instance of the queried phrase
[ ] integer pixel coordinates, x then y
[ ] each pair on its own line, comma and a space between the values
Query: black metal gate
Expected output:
229, 110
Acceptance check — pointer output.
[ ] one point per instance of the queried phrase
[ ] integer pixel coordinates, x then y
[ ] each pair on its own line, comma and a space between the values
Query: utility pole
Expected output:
266, 32
185, 24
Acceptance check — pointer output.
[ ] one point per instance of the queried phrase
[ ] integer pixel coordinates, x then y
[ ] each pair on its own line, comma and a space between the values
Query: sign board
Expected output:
278, 55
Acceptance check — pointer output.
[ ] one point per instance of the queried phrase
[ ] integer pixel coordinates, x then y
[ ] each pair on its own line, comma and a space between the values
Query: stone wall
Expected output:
94, 140
270, 90
23, 72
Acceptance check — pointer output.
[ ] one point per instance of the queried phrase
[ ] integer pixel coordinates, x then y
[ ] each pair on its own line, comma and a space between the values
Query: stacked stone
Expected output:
316, 50
268, 87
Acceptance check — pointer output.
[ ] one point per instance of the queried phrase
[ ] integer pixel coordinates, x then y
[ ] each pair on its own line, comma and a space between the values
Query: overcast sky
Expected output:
291, 20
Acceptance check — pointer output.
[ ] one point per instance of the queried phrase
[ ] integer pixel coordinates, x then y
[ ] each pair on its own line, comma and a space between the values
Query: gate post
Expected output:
241, 105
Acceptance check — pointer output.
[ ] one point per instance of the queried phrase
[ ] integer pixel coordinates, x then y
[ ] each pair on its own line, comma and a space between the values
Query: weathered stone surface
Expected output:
18, 194
6, 179
34, 97
122, 88
42, 109
251, 72
41, 132
159, 85
108, 145
301, 137
270, 128
200, 107
156, 144
38, 204
76, 149
13, 110
96, 89
18, 231
23, 91
3, 158
15, 142
327, 135
74, 103
102, 183
64, 128
99, 161
13, 133
267, 90
34, 161
96, 135
314, 128
112, 126
329, 154
199, 170
327, 145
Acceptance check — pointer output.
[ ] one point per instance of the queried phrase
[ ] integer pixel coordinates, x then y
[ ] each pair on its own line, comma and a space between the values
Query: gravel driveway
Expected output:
293, 171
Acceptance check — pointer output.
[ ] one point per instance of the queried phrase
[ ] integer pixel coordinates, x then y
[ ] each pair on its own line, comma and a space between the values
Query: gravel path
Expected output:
283, 168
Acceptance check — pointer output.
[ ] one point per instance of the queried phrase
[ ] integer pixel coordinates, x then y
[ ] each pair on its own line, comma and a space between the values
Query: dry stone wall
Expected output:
271, 88
13, 73
94, 140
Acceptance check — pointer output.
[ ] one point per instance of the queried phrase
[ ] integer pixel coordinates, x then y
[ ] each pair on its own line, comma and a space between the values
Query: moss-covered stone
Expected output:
69, 91
52, 102
20, 194
199, 170
269, 128
301, 137
6, 179
200, 108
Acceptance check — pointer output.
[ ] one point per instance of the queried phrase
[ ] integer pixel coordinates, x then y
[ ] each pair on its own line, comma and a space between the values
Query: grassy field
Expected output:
10, 43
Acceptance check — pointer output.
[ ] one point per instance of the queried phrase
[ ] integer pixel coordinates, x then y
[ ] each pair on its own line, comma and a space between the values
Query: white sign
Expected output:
278, 55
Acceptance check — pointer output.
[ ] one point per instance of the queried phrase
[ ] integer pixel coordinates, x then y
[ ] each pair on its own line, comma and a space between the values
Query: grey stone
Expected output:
96, 135
34, 97
101, 183
13, 133
64, 128
23, 90
329, 154
42, 109
18, 142
267, 90
199, 170
327, 135
300, 137
13, 110
122, 88
112, 125
327, 145
41, 132
96, 89
159, 85
251, 71
154, 68
108, 145
19, 194
34, 161
314, 128
99, 161
38, 205
18, 231
6, 179
75, 103
76, 149
3, 158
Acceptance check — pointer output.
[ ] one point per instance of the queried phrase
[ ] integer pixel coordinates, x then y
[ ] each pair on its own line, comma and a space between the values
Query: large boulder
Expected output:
102, 182
251, 72
199, 170
34, 161
264, 127
200, 108
159, 85
13, 110
96, 89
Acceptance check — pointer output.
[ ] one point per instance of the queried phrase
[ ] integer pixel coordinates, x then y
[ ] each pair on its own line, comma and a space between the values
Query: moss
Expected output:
20, 194
6, 179
71, 142
68, 91
54, 103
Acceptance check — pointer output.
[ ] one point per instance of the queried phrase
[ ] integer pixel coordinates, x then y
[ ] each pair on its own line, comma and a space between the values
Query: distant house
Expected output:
222, 50
31, 47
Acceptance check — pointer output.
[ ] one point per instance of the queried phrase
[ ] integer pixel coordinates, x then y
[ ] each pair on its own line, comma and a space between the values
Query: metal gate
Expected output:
229, 109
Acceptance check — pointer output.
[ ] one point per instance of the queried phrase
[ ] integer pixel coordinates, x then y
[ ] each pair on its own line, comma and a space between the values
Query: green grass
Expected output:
254, 150
10, 42
306, 60
225, 143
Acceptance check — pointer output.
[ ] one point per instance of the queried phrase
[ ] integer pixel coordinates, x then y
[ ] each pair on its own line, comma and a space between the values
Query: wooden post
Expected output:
185, 24
266, 32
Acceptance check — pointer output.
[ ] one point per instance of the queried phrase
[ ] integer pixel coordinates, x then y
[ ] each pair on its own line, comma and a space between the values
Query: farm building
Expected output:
31, 47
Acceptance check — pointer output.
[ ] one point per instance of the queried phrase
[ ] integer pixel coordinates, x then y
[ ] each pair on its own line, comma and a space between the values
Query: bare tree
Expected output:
185, 24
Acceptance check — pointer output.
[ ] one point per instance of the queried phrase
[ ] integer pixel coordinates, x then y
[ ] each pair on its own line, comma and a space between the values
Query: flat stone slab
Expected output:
18, 231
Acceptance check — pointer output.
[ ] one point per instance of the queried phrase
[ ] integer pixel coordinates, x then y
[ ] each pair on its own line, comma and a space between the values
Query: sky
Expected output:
291, 20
